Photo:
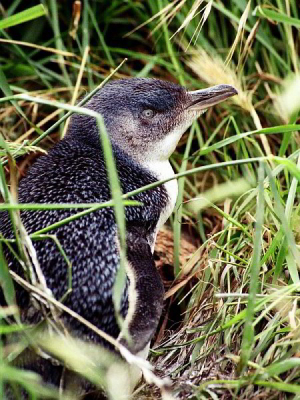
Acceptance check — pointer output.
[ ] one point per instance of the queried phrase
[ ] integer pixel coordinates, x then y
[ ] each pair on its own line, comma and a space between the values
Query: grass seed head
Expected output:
211, 69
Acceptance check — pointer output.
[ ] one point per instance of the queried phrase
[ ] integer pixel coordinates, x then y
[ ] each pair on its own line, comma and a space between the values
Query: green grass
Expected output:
236, 330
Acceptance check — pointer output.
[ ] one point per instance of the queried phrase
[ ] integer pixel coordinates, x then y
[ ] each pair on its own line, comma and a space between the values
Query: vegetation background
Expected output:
230, 260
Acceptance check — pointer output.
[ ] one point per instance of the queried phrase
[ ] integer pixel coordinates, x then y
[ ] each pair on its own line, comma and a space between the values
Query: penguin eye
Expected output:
148, 113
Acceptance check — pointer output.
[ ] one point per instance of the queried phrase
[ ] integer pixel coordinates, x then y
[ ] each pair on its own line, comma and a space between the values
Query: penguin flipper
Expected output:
146, 293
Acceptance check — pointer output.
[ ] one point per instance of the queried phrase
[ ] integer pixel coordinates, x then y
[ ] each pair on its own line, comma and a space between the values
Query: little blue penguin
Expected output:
144, 118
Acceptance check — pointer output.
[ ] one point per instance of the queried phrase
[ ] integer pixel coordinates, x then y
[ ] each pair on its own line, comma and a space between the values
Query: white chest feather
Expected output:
163, 170
172, 191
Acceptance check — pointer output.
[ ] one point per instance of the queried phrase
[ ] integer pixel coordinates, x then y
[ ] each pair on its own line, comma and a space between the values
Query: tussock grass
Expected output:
230, 328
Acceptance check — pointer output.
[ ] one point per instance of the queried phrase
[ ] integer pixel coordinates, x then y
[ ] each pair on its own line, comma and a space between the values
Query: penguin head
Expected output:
147, 117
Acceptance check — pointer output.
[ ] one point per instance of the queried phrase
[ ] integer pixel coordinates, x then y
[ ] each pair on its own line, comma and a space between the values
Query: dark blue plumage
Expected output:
145, 119
74, 172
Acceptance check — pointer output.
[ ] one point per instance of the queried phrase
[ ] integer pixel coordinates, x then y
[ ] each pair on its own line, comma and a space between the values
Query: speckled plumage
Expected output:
74, 172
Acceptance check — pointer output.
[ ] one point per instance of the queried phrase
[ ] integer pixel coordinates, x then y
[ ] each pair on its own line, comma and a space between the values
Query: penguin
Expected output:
145, 119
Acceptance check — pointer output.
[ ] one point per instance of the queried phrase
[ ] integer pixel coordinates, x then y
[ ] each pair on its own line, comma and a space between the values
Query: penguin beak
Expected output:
201, 99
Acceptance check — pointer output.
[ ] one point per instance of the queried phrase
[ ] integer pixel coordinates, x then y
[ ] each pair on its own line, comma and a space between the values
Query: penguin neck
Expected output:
163, 170
159, 170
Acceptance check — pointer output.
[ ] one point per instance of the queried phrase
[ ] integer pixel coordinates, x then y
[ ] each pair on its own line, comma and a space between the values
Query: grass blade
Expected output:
23, 16
248, 334
264, 12
6, 281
